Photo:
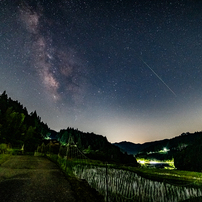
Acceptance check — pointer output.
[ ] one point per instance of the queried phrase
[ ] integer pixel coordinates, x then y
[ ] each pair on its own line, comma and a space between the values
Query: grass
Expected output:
4, 157
174, 177
83, 192
184, 179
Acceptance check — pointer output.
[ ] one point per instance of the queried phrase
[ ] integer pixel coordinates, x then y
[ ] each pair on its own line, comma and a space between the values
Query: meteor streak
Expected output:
127, 48
158, 77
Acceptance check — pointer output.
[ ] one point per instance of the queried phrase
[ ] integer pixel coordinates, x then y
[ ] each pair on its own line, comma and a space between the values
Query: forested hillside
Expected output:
95, 146
186, 150
190, 157
18, 127
175, 144
132, 148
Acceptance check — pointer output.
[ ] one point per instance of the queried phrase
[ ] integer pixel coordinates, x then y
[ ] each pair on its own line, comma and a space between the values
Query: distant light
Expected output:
165, 149
153, 162
142, 162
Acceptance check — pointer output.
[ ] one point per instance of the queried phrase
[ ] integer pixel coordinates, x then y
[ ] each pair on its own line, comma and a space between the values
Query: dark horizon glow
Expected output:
127, 70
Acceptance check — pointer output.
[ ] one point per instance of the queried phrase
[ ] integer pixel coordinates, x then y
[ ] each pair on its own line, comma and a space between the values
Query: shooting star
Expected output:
158, 77
129, 48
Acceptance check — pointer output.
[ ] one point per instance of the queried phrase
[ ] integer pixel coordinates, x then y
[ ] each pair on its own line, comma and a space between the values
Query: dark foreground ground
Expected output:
33, 179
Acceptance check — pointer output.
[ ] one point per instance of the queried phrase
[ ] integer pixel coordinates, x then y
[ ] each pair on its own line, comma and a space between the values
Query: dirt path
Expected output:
33, 179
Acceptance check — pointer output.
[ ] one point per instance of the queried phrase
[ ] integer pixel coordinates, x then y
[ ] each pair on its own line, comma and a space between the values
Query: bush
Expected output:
190, 158
3, 148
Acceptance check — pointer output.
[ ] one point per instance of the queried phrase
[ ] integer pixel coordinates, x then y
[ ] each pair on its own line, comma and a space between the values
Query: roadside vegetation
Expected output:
4, 157
18, 128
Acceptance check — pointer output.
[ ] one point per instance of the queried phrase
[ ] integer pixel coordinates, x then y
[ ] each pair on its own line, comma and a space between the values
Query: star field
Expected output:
128, 70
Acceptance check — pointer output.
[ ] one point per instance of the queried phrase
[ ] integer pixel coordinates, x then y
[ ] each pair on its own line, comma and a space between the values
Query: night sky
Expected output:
130, 70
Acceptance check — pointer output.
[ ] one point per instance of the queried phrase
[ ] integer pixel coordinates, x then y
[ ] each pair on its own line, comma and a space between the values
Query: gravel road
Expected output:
33, 179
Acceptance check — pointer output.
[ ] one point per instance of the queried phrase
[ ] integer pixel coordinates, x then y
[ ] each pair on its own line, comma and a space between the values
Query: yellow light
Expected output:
140, 161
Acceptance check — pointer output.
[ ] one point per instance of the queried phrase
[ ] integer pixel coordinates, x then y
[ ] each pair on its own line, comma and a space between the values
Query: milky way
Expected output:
69, 61
58, 68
